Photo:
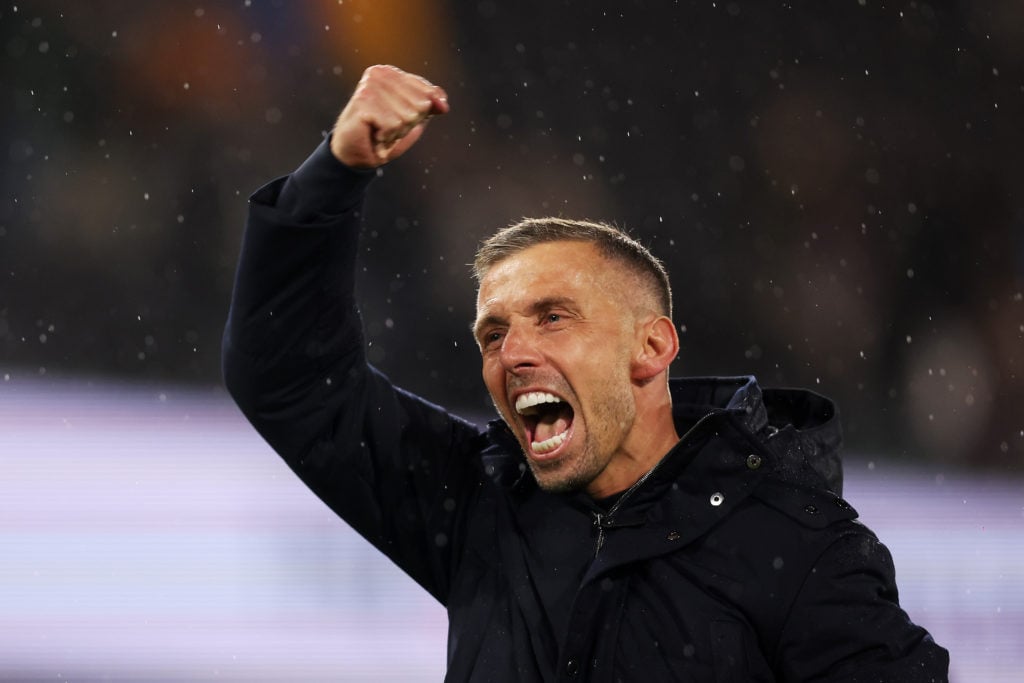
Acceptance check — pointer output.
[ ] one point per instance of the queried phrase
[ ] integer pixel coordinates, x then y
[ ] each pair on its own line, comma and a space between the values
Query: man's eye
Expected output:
554, 318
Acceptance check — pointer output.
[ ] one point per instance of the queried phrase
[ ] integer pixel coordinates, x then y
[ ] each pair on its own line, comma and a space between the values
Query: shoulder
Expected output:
782, 523
806, 506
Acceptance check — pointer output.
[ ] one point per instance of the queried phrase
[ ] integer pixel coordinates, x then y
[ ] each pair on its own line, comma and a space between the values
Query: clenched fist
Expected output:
385, 117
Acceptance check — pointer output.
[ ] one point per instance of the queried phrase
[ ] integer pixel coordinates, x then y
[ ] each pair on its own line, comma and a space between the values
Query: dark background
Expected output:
834, 186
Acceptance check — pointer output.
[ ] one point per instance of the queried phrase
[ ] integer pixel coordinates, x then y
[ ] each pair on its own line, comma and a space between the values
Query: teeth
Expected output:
526, 402
550, 444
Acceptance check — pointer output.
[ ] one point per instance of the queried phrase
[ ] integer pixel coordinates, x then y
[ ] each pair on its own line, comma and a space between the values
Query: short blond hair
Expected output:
611, 242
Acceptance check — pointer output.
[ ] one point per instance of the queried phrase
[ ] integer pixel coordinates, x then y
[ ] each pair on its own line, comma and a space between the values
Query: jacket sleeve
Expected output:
399, 470
846, 625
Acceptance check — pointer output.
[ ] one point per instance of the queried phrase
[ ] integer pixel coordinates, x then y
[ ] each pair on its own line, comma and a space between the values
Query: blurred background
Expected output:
836, 189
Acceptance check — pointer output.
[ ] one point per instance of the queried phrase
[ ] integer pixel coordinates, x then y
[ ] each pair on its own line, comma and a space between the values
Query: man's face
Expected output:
557, 333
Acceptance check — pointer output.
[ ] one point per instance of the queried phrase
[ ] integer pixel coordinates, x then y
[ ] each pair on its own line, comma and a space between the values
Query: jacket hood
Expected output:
799, 426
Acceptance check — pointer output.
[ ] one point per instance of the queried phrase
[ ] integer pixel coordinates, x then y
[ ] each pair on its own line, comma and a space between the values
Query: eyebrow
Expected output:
534, 308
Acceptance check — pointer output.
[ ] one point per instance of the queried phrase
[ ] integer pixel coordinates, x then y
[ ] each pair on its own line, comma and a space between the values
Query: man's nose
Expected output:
519, 350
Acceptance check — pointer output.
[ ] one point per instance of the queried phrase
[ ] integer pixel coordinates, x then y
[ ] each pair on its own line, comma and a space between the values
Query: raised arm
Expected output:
293, 352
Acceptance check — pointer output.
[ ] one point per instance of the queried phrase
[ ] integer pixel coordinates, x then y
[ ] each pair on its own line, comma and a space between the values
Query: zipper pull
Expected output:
598, 519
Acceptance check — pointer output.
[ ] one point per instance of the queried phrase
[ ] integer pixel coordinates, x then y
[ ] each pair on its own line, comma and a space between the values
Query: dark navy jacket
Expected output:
735, 560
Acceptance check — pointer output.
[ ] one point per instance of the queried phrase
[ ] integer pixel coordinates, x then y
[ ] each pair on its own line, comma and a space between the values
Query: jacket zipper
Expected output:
601, 518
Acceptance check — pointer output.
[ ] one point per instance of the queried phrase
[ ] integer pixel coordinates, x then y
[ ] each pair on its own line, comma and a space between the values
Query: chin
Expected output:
552, 481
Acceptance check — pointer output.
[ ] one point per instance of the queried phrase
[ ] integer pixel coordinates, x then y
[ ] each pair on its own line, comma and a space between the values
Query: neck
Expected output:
652, 436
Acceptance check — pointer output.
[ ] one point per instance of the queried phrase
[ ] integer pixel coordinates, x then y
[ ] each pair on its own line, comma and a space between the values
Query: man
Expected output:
614, 525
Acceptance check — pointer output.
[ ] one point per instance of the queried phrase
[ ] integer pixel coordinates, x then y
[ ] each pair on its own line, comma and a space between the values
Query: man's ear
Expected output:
659, 346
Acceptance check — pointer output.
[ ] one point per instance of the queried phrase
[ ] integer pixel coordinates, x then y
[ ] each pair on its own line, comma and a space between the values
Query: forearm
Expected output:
293, 322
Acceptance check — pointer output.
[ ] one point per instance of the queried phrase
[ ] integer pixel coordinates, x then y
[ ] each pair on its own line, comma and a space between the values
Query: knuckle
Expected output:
377, 73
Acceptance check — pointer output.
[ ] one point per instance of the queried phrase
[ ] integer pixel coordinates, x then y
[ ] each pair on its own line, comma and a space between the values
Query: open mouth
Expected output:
547, 419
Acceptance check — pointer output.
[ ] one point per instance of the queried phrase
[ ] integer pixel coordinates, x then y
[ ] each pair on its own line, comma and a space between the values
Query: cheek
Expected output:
493, 376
